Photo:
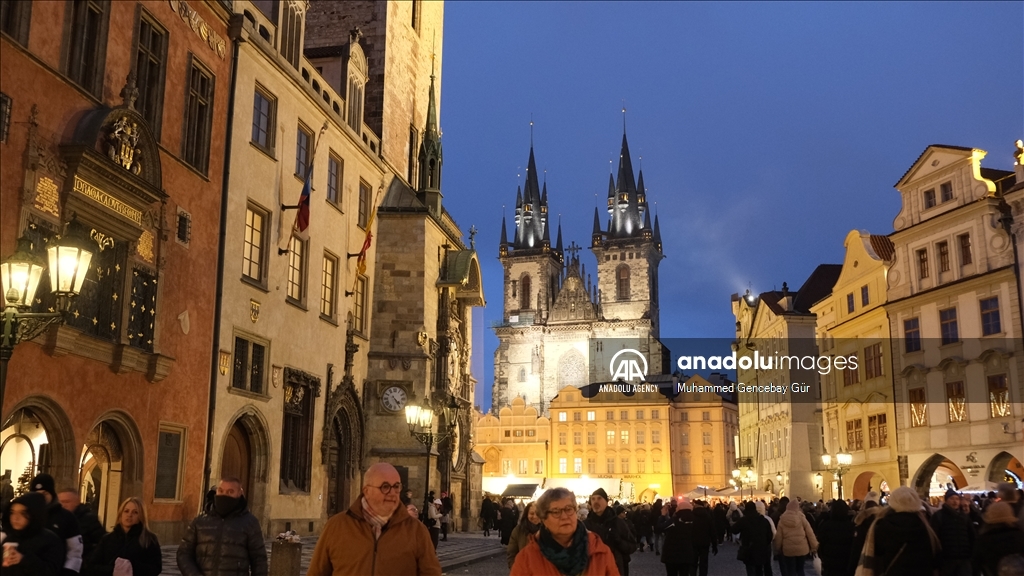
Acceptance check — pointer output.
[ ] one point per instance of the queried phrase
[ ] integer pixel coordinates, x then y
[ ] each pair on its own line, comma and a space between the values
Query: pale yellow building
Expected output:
858, 407
622, 446
514, 445
702, 434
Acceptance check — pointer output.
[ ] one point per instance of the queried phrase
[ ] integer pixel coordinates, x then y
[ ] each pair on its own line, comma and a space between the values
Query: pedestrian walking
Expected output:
956, 535
130, 543
1000, 537
487, 515
861, 525
760, 508
88, 523
755, 541
62, 523
376, 535
612, 530
447, 509
30, 548
900, 541
507, 521
660, 523
527, 529
794, 538
680, 552
704, 537
432, 518
1010, 494
563, 545
227, 542
835, 539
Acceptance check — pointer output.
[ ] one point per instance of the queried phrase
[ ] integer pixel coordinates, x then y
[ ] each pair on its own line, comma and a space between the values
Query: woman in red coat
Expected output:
563, 547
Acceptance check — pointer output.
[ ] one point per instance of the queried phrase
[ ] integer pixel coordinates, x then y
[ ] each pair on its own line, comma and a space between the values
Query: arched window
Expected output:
524, 293
522, 374
622, 282
357, 75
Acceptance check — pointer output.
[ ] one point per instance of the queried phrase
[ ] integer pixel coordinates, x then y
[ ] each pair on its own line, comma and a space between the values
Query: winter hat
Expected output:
950, 493
1000, 513
840, 509
793, 506
685, 504
760, 507
35, 506
872, 497
45, 483
905, 499
600, 492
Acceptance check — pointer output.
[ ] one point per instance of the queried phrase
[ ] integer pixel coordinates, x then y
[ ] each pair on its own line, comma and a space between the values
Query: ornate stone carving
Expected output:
344, 399
122, 144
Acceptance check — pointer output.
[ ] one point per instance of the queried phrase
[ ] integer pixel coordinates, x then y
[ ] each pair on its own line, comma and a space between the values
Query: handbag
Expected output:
816, 562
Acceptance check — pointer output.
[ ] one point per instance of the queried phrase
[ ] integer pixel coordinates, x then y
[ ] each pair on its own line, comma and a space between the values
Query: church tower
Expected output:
628, 252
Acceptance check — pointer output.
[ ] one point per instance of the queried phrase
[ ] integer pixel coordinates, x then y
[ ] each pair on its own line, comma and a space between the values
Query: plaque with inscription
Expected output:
47, 197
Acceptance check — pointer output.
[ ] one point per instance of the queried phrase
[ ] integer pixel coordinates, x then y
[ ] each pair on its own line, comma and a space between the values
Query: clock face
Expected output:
394, 398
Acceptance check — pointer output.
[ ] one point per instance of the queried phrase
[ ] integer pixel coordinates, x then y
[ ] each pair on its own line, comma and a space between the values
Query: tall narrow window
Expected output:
169, 463
303, 141
417, 9
929, 198
335, 169
591, 465
873, 361
918, 407
414, 136
655, 436
524, 293
253, 246
990, 323
296, 270
865, 296
5, 116
625, 465
610, 464
946, 191
956, 401
150, 61
577, 465
249, 371
195, 146
359, 306
577, 438
849, 303
878, 433
922, 263
948, 326
912, 335
87, 43
14, 19
965, 249
610, 437
563, 466
624, 437
855, 434
998, 396
264, 112
706, 438
328, 281
640, 437
364, 204
622, 282
943, 249
851, 374
297, 434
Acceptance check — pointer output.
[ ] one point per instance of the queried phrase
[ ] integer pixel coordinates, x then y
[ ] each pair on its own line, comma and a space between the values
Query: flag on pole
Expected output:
367, 240
302, 214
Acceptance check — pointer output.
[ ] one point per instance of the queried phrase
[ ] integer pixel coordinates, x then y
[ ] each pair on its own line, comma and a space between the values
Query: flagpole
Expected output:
307, 187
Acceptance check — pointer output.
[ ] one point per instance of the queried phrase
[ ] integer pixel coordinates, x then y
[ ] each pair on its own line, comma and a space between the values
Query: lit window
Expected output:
577, 465
854, 434
562, 466
563, 416
624, 436
591, 415
296, 269
253, 246
359, 306
610, 437
328, 289
999, 396
956, 401
918, 407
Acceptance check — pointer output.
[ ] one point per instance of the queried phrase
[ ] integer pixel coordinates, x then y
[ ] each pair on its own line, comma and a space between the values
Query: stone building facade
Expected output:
114, 401
514, 445
857, 405
553, 309
702, 436
294, 318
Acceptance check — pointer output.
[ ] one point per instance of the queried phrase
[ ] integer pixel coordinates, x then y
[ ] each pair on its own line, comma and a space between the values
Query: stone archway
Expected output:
58, 458
1006, 468
936, 474
111, 465
866, 482
342, 446
247, 437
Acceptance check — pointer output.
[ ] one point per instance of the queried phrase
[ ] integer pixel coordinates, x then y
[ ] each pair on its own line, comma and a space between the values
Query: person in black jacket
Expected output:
1000, 537
835, 536
228, 542
956, 535
680, 553
62, 523
39, 551
901, 541
92, 530
613, 530
131, 541
755, 540
704, 536
861, 525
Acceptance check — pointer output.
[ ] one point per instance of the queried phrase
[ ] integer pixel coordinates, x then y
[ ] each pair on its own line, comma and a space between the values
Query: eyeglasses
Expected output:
559, 512
388, 488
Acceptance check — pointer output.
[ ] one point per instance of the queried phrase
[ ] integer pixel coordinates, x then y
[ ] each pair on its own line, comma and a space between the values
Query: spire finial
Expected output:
623, 116
531, 129
472, 237
433, 43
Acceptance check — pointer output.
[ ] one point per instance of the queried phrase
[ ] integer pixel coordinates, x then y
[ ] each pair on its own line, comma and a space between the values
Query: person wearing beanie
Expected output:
62, 523
956, 534
835, 538
1000, 537
900, 540
679, 554
612, 530
39, 551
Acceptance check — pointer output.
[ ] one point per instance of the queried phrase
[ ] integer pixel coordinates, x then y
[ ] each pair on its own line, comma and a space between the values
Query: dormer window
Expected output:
946, 191
929, 198
357, 74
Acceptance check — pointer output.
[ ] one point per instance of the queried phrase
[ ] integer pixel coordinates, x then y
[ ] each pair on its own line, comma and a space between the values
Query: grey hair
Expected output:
552, 495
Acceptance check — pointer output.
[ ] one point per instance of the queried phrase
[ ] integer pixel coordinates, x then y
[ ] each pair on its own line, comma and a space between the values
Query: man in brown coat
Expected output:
376, 536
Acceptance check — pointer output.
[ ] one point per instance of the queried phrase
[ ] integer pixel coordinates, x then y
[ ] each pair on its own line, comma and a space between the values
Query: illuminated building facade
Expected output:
514, 445
702, 435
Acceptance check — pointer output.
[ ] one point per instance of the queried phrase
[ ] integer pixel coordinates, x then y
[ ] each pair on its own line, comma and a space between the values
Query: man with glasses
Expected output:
376, 535
613, 530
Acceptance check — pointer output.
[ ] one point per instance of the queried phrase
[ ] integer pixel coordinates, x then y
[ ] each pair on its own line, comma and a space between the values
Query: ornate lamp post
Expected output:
421, 427
841, 466
69, 257
740, 479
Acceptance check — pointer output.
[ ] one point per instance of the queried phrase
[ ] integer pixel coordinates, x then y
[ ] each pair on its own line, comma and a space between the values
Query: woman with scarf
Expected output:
523, 533
900, 541
30, 549
562, 546
130, 543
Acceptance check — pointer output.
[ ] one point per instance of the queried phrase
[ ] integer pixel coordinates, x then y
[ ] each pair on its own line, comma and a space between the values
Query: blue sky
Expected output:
767, 131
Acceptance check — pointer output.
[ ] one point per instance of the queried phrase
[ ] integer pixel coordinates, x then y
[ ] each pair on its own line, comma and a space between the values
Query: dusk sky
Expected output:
767, 131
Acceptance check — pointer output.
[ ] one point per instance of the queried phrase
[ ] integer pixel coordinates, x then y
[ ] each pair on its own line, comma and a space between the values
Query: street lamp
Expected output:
421, 427
740, 479
69, 257
842, 463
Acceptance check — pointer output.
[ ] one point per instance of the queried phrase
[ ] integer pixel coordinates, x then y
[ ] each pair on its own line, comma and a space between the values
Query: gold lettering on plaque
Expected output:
47, 197
145, 246
106, 200
199, 26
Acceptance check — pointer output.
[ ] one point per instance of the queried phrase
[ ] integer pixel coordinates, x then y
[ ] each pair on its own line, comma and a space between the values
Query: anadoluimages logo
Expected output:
625, 365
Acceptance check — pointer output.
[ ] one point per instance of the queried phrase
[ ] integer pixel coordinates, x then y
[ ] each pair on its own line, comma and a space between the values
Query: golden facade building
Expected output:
954, 305
702, 436
514, 445
621, 446
858, 407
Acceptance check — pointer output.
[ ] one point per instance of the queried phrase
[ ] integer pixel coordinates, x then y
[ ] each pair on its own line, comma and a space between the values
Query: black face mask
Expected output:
225, 505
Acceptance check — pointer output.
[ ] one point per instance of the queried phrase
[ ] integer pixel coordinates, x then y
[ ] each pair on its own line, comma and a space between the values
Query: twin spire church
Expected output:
554, 309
